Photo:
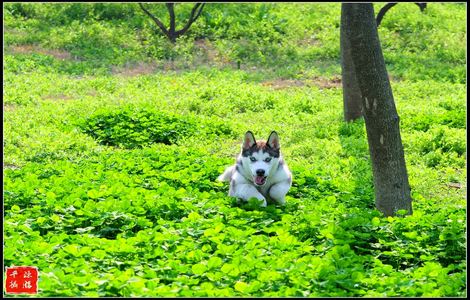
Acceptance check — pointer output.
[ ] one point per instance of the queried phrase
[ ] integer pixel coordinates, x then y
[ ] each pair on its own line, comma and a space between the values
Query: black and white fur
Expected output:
259, 171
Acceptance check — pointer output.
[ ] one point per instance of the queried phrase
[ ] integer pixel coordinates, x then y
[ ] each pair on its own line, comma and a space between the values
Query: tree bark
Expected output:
156, 20
172, 29
392, 189
352, 97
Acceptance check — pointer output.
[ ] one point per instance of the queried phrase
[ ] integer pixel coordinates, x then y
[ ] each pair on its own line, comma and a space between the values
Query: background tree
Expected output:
171, 33
387, 6
351, 91
352, 97
392, 189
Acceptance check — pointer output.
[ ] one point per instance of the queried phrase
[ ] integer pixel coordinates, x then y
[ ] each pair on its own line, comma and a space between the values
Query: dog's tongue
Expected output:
259, 180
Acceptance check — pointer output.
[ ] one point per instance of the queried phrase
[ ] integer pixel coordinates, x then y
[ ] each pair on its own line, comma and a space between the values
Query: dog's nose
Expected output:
260, 172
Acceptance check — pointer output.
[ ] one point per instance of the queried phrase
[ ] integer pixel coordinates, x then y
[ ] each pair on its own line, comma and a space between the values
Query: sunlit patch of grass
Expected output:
119, 213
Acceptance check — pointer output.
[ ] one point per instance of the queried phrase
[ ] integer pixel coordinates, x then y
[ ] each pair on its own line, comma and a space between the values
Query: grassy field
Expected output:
113, 139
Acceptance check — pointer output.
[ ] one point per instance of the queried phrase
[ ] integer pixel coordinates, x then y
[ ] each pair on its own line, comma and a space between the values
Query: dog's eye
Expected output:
252, 158
268, 159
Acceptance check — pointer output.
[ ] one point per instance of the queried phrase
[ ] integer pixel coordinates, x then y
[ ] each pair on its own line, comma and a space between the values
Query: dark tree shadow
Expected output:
353, 140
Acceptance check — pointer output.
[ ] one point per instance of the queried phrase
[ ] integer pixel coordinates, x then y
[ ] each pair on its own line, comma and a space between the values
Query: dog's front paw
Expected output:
281, 201
263, 202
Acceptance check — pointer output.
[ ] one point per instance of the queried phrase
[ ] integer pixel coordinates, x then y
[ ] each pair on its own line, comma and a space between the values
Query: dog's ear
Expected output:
249, 140
273, 141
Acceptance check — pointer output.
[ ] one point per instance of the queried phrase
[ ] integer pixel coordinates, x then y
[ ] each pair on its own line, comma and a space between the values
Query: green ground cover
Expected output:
113, 139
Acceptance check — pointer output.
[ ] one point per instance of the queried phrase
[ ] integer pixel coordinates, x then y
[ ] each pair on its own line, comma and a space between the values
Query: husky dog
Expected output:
259, 172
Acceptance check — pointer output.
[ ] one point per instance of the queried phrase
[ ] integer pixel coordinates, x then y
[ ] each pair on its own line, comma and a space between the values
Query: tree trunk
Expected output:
392, 189
352, 97
172, 29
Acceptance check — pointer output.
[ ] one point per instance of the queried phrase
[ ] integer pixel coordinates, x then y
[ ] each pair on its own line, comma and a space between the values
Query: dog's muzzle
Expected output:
259, 180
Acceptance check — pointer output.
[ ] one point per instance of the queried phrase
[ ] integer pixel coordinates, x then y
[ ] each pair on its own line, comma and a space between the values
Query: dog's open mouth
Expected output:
260, 180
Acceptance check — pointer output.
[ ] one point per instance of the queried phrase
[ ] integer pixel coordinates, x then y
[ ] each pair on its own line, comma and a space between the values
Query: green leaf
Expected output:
267, 275
227, 268
15, 208
411, 235
199, 269
72, 249
193, 216
214, 262
230, 269
375, 221
84, 250
55, 218
100, 254
241, 286
93, 194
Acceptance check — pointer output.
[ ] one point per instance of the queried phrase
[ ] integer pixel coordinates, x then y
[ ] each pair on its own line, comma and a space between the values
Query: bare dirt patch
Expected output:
326, 83
27, 49
321, 82
454, 185
57, 97
135, 69
10, 166
92, 93
9, 107
205, 54
278, 84
309, 41
208, 54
